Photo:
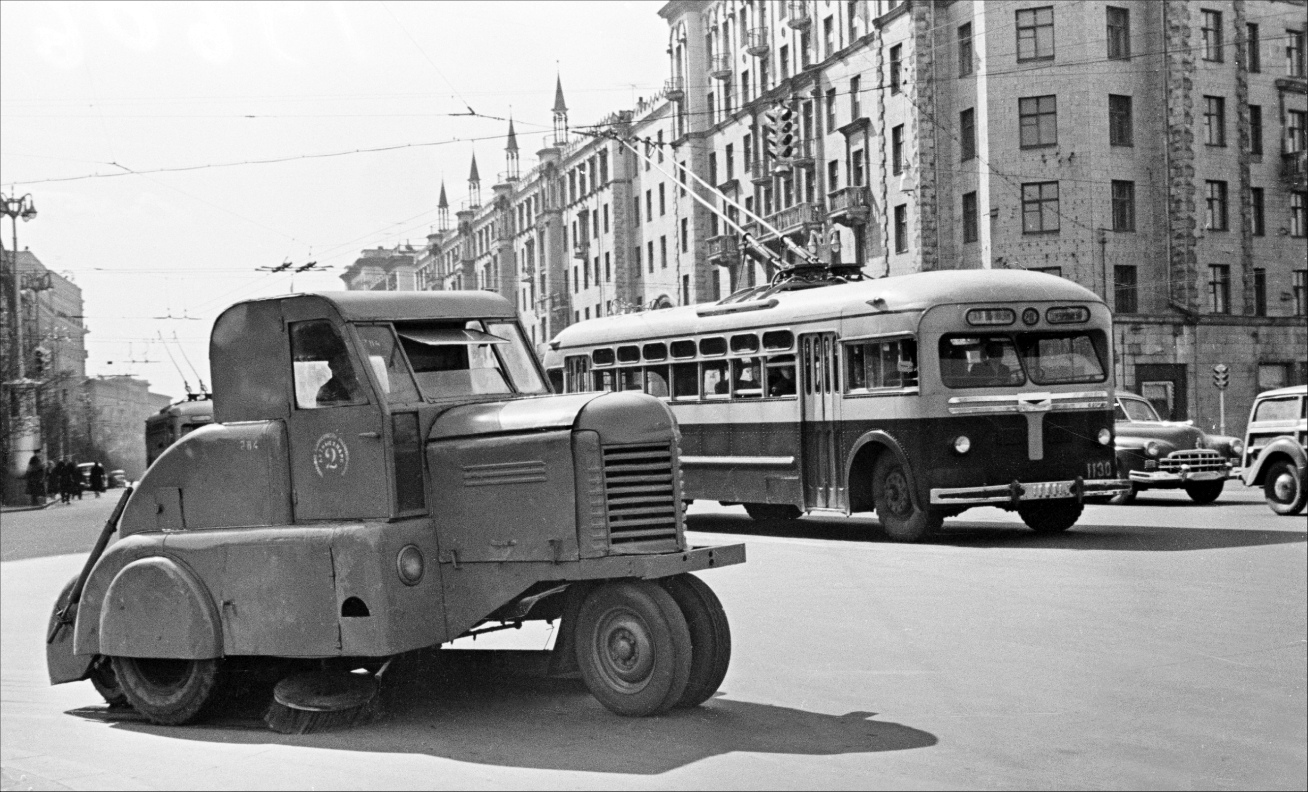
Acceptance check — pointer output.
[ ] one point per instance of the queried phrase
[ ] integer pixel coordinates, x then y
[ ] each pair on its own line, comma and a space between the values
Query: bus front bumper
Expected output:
1017, 492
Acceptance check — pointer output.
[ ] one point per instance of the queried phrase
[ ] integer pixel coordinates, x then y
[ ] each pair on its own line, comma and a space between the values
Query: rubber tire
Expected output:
710, 637
1050, 517
765, 512
1295, 503
105, 681
1205, 491
900, 519
168, 702
661, 632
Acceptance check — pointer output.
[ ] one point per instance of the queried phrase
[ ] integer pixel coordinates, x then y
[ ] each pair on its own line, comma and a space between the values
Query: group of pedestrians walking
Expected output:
62, 478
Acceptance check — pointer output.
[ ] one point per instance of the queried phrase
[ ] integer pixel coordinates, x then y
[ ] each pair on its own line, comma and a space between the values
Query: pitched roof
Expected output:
559, 105
513, 138
444, 202
472, 175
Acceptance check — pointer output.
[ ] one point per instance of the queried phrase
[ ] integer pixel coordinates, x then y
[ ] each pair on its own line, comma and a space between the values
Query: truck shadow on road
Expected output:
962, 533
466, 710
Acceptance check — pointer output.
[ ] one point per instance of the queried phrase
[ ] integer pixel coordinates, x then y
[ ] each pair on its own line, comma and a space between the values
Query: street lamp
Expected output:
14, 208
26, 440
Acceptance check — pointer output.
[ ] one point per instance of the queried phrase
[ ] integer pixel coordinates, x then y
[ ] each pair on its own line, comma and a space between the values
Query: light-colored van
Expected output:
1276, 448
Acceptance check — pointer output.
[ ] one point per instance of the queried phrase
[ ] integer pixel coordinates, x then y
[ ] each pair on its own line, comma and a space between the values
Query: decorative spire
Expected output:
474, 184
473, 177
560, 114
559, 105
513, 137
443, 210
444, 202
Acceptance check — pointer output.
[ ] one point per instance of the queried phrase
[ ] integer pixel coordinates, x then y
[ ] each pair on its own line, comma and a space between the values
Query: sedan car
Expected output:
1158, 454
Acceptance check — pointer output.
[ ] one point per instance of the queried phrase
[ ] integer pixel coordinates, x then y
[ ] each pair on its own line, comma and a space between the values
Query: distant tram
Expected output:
174, 422
916, 396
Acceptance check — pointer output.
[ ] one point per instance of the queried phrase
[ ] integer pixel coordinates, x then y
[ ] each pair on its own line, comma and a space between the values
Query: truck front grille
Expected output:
638, 488
1199, 459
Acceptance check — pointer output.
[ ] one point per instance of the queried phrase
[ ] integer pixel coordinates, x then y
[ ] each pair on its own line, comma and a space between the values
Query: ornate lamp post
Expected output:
26, 432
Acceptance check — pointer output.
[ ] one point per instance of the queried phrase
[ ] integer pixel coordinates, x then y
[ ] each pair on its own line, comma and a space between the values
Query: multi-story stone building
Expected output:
117, 409
1152, 151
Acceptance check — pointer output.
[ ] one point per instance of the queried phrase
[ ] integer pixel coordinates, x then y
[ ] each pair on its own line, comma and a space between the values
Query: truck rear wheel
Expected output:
1204, 491
762, 512
165, 690
1050, 516
893, 498
104, 679
634, 648
710, 636
1283, 488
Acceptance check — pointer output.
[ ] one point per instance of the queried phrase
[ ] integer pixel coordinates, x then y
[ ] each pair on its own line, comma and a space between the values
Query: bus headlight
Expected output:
1105, 437
962, 444
1152, 449
409, 564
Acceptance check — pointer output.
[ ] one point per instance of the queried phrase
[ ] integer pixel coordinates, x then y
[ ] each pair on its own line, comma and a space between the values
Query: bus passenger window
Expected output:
856, 364
746, 382
685, 381
716, 385
629, 379
604, 381
656, 381
781, 375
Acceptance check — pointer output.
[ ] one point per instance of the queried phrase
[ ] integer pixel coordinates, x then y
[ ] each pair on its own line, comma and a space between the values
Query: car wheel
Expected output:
166, 690
1204, 491
1283, 488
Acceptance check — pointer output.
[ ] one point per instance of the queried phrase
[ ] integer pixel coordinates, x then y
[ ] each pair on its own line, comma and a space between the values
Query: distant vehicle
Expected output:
1274, 448
174, 422
116, 478
1157, 454
84, 471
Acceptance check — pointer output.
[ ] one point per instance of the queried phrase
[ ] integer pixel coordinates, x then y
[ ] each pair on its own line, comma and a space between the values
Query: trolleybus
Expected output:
174, 422
916, 396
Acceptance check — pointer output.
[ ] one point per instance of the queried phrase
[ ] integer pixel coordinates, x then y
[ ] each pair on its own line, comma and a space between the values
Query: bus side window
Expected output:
656, 381
781, 375
604, 381
856, 366
716, 385
630, 379
685, 380
746, 382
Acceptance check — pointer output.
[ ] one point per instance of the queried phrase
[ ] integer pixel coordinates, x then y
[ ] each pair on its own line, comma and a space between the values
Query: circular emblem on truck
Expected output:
331, 455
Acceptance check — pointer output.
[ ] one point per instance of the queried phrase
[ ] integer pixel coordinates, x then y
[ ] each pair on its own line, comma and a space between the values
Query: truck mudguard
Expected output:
155, 607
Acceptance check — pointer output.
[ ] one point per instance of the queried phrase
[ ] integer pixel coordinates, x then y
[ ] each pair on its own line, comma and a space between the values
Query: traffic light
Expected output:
770, 117
40, 363
1221, 376
785, 142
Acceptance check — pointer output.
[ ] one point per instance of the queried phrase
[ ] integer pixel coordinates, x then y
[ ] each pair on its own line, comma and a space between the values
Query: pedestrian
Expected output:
67, 472
97, 479
51, 478
79, 483
36, 481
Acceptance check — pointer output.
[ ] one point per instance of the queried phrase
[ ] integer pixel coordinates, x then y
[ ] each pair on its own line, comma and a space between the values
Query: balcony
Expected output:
799, 18
674, 88
760, 172
1294, 169
756, 42
850, 205
723, 250
721, 67
800, 217
581, 250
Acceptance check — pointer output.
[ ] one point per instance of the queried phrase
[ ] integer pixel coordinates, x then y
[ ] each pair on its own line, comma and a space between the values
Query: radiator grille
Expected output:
642, 503
1199, 459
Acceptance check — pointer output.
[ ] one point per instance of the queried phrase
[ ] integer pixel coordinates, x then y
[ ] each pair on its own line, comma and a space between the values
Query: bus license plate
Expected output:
1099, 470
1048, 489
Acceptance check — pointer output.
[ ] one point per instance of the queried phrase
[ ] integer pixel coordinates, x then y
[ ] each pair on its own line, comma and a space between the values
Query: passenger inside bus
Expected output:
781, 380
747, 383
715, 379
991, 365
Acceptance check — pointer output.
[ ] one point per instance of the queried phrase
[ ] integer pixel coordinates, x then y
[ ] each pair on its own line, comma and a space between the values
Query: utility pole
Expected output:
25, 435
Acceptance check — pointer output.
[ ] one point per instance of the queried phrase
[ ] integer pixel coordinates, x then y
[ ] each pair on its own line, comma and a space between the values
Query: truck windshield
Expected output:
453, 359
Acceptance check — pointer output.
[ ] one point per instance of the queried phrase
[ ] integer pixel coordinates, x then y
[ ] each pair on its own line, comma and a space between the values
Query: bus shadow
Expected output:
470, 710
961, 533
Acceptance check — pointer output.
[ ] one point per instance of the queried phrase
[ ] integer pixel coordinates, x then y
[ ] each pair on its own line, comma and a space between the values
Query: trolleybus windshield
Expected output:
1006, 360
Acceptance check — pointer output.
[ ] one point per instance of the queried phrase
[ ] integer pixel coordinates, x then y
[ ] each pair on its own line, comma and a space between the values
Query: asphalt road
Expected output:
1158, 645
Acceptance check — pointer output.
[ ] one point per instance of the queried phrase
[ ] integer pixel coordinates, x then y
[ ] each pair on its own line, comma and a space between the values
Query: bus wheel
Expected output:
1283, 489
633, 647
168, 691
762, 512
1204, 491
893, 499
104, 679
710, 636
1050, 516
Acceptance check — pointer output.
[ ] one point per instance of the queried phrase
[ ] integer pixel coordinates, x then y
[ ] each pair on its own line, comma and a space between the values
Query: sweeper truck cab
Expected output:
388, 472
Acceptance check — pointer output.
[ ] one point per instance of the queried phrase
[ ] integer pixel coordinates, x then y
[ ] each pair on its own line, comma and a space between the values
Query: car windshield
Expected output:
469, 358
1136, 410
1003, 360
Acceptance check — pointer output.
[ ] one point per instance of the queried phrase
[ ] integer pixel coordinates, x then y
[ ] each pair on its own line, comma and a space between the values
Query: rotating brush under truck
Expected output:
388, 472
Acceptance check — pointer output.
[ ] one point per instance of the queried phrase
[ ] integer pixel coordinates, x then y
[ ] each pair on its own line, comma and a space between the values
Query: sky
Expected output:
168, 107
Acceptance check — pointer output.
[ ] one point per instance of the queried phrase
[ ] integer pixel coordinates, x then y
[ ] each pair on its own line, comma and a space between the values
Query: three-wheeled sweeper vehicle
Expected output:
388, 472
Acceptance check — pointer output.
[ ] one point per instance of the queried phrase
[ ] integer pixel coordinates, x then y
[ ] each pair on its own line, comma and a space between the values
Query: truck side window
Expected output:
324, 375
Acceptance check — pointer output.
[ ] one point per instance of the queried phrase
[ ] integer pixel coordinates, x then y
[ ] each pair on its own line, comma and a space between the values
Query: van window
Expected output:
1286, 409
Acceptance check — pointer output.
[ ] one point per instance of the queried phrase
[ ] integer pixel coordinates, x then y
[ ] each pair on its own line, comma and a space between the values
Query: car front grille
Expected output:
641, 498
1197, 460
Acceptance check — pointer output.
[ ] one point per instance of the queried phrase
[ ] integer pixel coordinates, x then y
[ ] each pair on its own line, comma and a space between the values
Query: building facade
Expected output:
1153, 152
117, 407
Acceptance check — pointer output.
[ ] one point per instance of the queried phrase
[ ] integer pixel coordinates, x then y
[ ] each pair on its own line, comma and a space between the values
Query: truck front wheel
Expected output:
633, 647
104, 679
710, 636
893, 498
168, 691
1283, 488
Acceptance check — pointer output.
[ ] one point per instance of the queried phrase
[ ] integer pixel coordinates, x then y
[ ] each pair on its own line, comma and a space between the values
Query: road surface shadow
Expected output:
961, 533
497, 708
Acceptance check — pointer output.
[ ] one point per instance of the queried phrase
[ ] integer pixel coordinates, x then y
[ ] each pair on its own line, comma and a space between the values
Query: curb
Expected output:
8, 509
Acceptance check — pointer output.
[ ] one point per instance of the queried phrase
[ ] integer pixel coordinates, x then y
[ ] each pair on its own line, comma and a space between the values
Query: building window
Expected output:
1121, 126
831, 110
1258, 211
747, 152
1296, 131
1219, 287
967, 134
784, 61
663, 200
896, 52
1214, 121
854, 85
685, 235
1300, 292
1294, 53
1035, 34
1297, 220
1252, 48
897, 149
730, 160
828, 37
650, 258
901, 228
1119, 33
635, 257
712, 115
1212, 35
663, 252
1123, 205
965, 49
970, 230
1040, 207
1260, 291
833, 175
1126, 297
1255, 129
858, 178
649, 205
1217, 215
1039, 121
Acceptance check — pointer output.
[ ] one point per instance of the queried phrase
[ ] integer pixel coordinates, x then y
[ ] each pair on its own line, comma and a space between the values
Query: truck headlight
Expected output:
962, 444
1105, 437
409, 564
1152, 448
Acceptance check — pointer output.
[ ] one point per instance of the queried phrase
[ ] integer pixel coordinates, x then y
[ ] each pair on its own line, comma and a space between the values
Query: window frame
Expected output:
1119, 32
1034, 120
1121, 120
1211, 35
1034, 25
1041, 201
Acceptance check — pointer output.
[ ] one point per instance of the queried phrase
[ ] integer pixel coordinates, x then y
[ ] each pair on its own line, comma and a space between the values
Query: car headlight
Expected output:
1152, 448
1105, 437
962, 444
1237, 448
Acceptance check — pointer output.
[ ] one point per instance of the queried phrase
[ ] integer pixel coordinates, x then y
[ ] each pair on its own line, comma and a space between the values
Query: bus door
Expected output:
819, 431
